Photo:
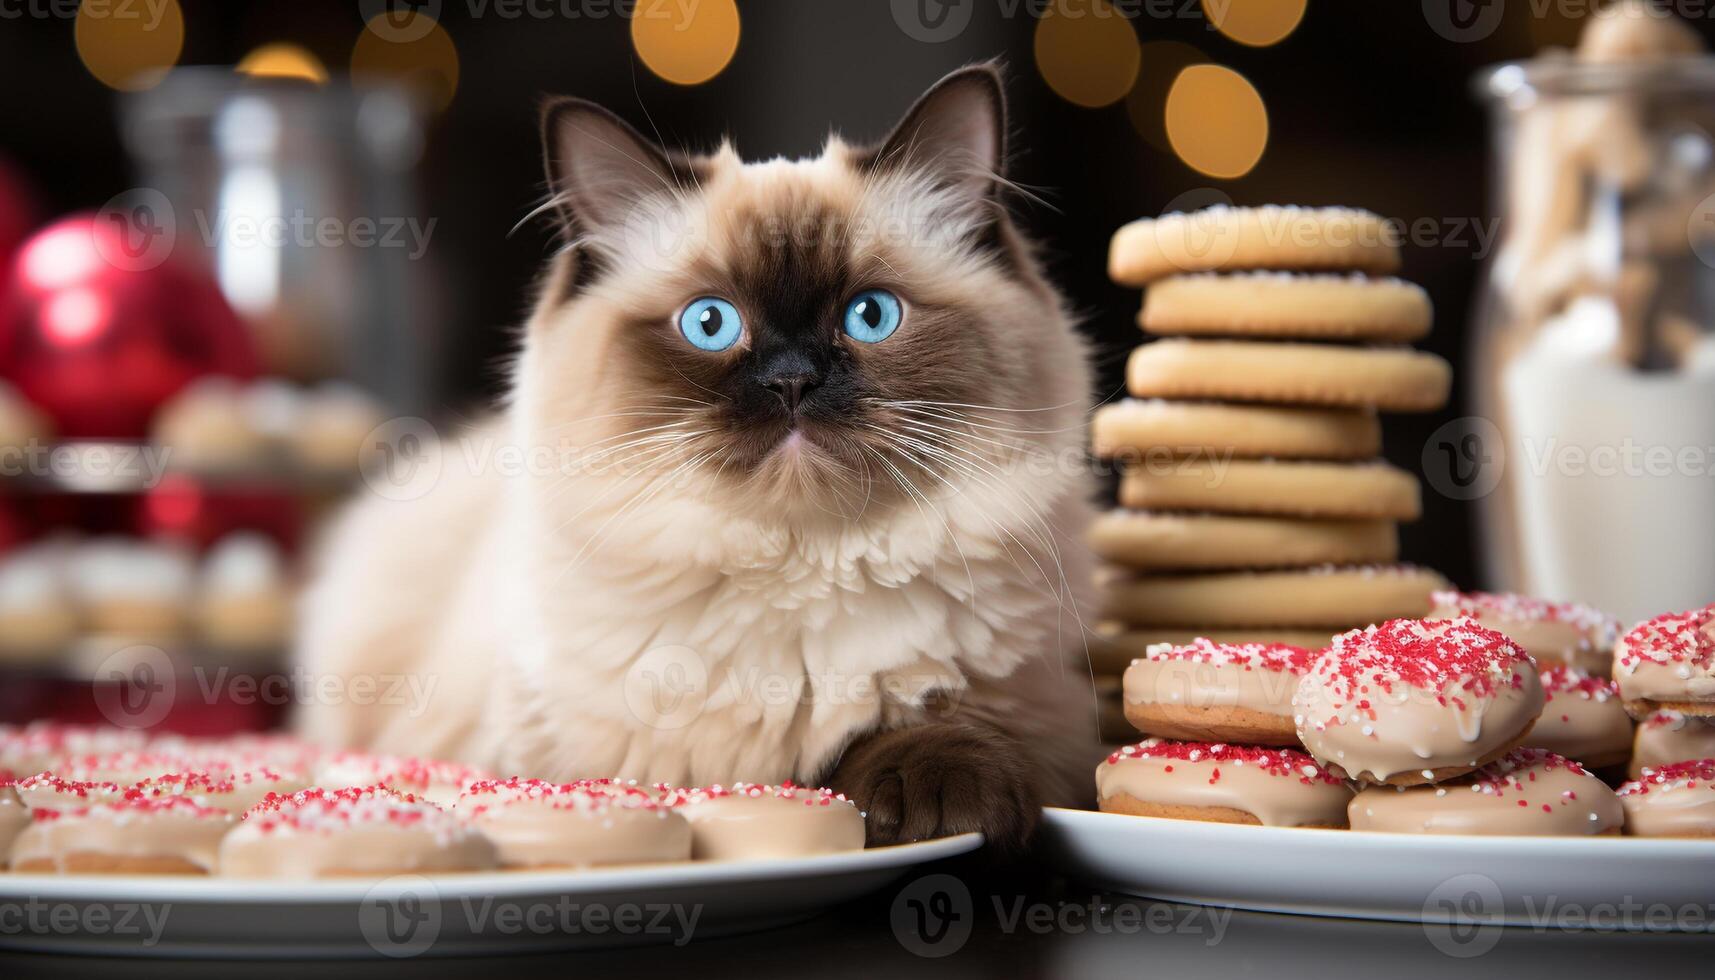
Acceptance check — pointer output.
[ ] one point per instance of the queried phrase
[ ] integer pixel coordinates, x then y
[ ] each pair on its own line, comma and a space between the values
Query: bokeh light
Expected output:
425, 60
1216, 121
283, 61
1160, 62
1258, 23
686, 44
1086, 51
129, 46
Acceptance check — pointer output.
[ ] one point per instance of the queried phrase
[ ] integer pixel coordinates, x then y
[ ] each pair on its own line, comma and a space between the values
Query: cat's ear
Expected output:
598, 166
956, 133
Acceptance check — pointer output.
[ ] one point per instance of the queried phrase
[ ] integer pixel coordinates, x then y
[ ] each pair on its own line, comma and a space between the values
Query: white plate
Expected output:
448, 915
1548, 882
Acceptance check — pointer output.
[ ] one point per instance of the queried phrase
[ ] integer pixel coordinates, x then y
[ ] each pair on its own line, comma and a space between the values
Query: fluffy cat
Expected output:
816, 481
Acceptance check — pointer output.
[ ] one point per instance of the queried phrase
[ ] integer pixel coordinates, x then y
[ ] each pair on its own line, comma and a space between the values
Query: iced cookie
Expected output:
1525, 792
132, 835
243, 601
47, 791
1298, 599
432, 780
234, 792
14, 817
1552, 632
1134, 427
1676, 800
1152, 541
1292, 306
1354, 491
41, 746
1669, 662
1391, 379
354, 832
336, 418
1582, 718
1115, 646
1668, 736
37, 617
1221, 239
1217, 692
751, 821
1416, 701
1222, 784
536, 824
204, 428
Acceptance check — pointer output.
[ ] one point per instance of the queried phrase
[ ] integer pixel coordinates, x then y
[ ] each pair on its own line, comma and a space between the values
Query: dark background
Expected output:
1369, 105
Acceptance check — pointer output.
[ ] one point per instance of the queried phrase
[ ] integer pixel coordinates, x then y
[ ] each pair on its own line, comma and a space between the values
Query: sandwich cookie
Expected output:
354, 832
746, 820
1669, 736
595, 823
1210, 691
1331, 597
1357, 491
1291, 306
1222, 238
1676, 800
1136, 427
1582, 718
1172, 542
1221, 784
1669, 662
132, 835
1552, 632
1525, 792
1416, 701
1389, 379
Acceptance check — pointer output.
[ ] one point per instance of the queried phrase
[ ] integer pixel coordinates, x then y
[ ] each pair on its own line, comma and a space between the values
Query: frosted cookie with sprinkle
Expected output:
1114, 647
50, 791
14, 817
1291, 306
1332, 596
1582, 718
1388, 379
1669, 736
1416, 701
41, 746
1222, 784
1669, 662
1213, 691
130, 835
1135, 428
235, 792
1223, 238
747, 820
592, 823
1676, 800
1526, 792
353, 832
1285, 488
1552, 632
433, 780
1154, 541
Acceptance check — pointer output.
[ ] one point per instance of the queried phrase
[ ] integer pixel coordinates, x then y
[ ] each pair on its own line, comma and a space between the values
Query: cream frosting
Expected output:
438, 782
1205, 674
1668, 658
1280, 787
357, 831
43, 746
1582, 718
1415, 696
173, 827
1676, 800
14, 817
751, 821
47, 791
233, 792
1669, 736
1552, 632
1527, 791
594, 823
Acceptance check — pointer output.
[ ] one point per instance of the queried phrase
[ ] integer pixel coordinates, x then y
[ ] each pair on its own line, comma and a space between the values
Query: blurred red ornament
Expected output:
100, 326
17, 216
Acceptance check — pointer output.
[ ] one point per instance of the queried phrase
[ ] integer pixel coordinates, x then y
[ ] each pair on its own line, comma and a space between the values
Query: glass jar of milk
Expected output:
1595, 334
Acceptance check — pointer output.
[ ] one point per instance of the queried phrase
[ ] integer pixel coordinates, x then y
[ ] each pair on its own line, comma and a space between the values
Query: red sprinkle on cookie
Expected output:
1279, 657
1275, 762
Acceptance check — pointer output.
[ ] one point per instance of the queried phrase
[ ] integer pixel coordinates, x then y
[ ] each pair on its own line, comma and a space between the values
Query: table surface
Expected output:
964, 918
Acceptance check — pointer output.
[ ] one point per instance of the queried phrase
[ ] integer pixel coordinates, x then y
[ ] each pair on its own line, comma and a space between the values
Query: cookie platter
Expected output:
1609, 883
444, 915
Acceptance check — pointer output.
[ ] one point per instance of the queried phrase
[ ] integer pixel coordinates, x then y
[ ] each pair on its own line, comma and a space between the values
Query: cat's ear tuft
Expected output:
599, 166
956, 132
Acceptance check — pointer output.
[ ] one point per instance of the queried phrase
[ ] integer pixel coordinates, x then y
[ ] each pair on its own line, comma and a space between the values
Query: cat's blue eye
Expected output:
711, 323
873, 315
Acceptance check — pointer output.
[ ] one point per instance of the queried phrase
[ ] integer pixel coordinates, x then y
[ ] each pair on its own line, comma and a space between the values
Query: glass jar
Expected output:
1594, 336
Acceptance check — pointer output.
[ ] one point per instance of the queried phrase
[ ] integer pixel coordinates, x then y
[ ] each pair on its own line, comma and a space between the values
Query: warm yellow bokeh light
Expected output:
129, 46
1258, 23
687, 44
1160, 63
1086, 51
423, 59
283, 61
1216, 121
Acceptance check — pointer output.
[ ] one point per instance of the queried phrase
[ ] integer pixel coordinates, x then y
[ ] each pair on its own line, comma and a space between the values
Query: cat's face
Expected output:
860, 327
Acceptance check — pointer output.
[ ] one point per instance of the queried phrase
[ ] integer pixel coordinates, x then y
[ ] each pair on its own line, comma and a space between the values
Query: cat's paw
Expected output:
940, 779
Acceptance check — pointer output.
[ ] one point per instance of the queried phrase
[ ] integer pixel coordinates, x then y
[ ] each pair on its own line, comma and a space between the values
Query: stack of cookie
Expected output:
1253, 507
